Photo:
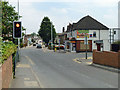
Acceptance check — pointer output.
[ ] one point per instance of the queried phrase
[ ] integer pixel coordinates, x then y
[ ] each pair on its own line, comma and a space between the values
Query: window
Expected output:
94, 34
114, 32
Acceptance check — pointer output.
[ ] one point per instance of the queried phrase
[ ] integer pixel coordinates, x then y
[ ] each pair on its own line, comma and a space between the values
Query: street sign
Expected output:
17, 29
99, 41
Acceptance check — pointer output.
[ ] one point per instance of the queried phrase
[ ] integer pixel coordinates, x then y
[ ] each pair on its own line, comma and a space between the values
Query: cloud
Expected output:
31, 18
111, 18
69, 12
105, 3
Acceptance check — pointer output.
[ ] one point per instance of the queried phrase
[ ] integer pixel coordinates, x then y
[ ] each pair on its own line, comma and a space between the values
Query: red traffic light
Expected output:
17, 25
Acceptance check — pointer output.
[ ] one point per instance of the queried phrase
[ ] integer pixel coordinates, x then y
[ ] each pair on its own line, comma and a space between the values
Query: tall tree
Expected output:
8, 16
45, 30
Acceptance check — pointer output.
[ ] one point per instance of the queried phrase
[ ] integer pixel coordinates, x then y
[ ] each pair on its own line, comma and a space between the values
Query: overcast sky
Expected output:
63, 12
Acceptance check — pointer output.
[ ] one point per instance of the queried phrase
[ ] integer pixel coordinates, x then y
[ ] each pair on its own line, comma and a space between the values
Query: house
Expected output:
115, 32
61, 37
39, 40
28, 39
97, 35
118, 21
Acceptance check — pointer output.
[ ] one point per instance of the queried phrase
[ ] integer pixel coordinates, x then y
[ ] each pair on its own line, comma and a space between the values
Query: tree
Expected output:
45, 30
33, 34
117, 42
8, 16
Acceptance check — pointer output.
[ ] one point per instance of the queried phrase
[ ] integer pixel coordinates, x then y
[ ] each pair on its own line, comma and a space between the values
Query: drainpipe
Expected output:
99, 34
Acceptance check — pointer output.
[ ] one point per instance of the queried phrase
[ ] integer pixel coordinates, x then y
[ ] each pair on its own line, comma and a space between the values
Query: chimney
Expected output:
63, 29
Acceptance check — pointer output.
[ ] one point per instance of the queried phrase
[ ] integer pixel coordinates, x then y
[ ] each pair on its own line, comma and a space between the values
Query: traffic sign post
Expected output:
59, 45
17, 32
86, 43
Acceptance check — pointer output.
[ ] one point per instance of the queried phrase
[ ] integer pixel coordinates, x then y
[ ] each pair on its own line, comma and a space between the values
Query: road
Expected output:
60, 70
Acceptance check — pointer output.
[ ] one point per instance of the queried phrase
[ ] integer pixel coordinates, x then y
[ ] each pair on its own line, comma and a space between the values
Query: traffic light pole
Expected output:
18, 38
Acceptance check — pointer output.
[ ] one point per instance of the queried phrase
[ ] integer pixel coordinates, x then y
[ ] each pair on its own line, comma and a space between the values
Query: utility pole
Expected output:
51, 37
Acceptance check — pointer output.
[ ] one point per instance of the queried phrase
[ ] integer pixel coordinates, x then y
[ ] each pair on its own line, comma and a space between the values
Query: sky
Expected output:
63, 12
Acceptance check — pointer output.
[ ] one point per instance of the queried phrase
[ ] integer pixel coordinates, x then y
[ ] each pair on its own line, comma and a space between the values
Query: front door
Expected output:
98, 47
73, 46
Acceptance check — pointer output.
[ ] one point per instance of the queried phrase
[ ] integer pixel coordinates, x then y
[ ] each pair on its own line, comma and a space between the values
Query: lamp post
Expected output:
51, 37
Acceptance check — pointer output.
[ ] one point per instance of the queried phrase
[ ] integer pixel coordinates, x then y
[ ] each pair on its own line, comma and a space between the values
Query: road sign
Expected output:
17, 29
99, 41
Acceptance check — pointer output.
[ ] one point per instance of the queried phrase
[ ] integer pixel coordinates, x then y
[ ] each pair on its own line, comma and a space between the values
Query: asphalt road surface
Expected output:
60, 70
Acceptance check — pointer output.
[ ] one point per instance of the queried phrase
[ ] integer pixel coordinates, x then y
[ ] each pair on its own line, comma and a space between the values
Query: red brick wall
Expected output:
107, 58
119, 58
7, 73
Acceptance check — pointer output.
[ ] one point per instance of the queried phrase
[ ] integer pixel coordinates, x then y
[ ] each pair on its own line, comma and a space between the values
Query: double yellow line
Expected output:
77, 60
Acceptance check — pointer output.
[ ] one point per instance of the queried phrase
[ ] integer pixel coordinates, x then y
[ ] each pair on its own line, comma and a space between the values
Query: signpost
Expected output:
86, 43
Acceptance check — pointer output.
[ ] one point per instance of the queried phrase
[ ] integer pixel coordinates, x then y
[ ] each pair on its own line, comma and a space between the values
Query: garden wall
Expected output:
108, 58
7, 73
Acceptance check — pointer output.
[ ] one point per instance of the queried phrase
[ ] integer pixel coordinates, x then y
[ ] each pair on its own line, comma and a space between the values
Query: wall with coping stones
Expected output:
108, 58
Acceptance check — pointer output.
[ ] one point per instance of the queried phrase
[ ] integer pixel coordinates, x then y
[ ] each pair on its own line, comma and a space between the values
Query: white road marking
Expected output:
40, 84
30, 60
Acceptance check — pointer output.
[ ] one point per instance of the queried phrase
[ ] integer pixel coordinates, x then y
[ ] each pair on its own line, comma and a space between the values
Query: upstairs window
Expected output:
114, 32
94, 34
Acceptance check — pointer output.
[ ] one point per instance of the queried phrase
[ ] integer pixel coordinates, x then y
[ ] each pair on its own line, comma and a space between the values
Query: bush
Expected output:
8, 48
0, 50
21, 45
117, 42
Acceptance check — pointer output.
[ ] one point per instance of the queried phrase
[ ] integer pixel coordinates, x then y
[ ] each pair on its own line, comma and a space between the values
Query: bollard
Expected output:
55, 49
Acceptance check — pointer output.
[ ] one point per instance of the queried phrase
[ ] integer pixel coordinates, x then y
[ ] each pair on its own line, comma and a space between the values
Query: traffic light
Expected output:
17, 29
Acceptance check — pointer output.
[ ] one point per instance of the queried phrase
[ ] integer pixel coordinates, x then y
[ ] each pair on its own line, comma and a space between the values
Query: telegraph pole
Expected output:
51, 37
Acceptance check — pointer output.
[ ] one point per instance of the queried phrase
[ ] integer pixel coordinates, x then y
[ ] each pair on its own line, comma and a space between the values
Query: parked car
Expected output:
34, 44
39, 46
61, 46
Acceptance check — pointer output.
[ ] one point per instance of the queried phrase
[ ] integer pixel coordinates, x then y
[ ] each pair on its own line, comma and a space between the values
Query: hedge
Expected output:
7, 49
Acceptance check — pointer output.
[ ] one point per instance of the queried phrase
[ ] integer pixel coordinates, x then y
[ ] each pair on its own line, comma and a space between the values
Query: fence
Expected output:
115, 47
15, 60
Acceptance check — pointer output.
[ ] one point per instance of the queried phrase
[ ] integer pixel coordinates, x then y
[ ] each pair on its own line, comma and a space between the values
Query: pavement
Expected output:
43, 68
25, 76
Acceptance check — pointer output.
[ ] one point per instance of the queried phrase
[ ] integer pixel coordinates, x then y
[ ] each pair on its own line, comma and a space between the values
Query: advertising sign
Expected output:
82, 33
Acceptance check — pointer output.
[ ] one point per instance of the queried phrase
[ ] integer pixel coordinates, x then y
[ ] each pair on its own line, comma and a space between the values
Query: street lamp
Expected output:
51, 35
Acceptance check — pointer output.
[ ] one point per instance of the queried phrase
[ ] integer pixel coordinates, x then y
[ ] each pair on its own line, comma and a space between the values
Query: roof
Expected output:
89, 23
